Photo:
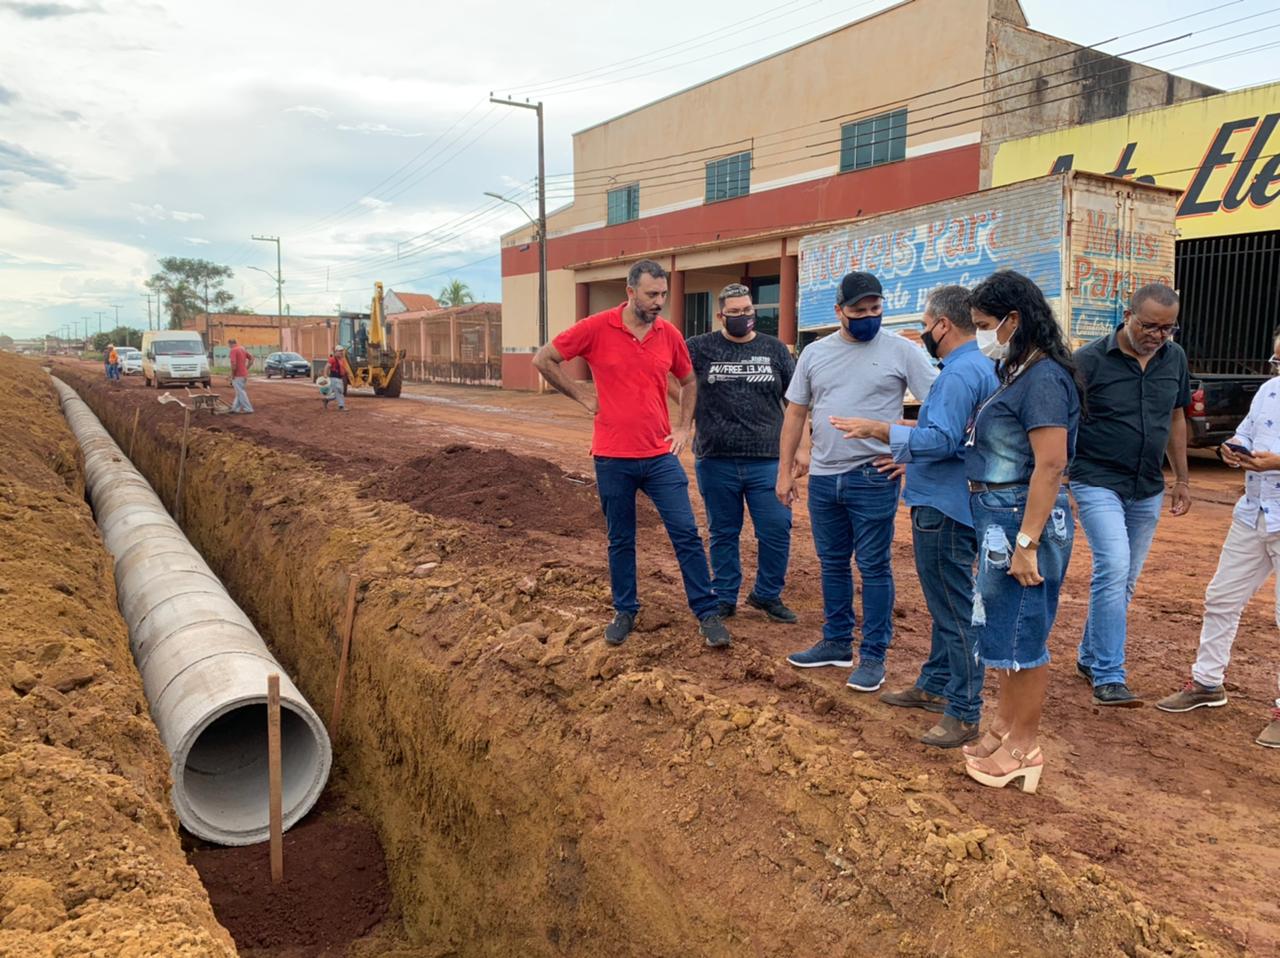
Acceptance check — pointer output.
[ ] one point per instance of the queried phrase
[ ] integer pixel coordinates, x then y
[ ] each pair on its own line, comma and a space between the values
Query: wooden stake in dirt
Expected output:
182, 461
274, 784
134, 435
348, 626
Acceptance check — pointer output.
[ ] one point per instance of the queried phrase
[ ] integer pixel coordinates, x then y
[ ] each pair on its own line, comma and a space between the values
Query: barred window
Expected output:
873, 141
729, 177
624, 204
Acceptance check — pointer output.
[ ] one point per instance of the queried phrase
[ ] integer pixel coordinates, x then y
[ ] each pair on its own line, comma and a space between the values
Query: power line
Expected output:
872, 110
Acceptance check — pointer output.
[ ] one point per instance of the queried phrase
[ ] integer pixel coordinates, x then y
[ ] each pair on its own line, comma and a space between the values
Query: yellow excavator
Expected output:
367, 359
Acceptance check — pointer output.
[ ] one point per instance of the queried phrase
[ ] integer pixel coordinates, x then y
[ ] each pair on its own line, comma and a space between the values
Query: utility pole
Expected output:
117, 309
148, 298
207, 334
279, 275
542, 214
100, 315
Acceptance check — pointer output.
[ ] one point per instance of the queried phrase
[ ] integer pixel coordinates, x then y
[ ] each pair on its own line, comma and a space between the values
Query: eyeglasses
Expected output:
1162, 329
739, 313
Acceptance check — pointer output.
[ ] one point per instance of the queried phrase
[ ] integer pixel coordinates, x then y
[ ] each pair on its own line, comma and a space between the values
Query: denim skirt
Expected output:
1012, 621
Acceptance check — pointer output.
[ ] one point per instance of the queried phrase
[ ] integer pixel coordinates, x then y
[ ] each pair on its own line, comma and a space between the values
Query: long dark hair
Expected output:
1005, 291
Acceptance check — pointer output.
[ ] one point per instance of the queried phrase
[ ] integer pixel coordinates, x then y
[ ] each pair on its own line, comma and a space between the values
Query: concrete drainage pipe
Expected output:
204, 667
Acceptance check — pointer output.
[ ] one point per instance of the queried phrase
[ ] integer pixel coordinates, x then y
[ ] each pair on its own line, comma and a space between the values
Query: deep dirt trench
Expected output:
537, 793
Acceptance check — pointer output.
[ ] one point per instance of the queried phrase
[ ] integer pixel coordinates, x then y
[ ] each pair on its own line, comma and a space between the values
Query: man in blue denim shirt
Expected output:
950, 681
851, 503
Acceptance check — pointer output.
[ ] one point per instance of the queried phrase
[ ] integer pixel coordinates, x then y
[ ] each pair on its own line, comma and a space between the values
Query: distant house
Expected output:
393, 302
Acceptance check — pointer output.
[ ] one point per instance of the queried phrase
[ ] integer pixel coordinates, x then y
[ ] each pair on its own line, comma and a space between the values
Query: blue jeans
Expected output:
852, 516
945, 551
725, 483
663, 480
241, 402
1014, 620
1119, 532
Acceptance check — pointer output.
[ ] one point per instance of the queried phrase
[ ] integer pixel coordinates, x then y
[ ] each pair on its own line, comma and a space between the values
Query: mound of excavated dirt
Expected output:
542, 794
90, 861
334, 890
495, 487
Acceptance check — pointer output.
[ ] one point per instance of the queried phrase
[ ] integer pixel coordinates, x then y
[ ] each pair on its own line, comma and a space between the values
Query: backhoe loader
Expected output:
368, 360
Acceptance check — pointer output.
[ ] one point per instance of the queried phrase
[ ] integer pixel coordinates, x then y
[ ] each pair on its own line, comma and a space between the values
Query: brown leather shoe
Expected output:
950, 732
915, 698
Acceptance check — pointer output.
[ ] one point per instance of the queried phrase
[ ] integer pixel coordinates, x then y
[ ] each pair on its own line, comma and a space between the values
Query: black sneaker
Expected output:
715, 631
773, 608
1117, 694
616, 632
727, 611
1084, 672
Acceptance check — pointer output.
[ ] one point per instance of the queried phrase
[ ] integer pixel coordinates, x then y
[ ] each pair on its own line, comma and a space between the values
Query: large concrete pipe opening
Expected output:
204, 666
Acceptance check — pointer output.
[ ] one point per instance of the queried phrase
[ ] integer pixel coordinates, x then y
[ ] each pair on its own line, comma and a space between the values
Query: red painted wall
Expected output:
895, 186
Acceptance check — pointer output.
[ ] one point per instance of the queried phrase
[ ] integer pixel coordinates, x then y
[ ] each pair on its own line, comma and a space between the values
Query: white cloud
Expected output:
373, 203
196, 241
156, 213
318, 112
375, 128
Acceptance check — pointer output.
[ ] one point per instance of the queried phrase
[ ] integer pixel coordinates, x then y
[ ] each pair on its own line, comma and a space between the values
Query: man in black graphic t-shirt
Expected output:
742, 376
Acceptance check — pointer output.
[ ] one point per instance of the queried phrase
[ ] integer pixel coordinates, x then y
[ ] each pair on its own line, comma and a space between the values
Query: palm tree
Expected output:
456, 293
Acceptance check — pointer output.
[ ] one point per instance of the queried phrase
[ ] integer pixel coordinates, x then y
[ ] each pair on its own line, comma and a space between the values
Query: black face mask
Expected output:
930, 344
739, 326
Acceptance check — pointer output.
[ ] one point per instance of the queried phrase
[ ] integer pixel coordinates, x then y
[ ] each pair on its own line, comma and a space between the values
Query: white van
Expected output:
174, 356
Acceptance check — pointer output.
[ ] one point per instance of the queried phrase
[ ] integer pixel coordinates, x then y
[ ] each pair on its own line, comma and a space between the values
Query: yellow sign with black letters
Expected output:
1222, 151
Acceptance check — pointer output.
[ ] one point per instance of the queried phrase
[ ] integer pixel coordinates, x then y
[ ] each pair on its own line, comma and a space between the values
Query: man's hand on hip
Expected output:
679, 438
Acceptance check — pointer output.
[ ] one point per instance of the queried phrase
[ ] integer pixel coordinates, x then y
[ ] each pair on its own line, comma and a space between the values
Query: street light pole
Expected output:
279, 275
542, 214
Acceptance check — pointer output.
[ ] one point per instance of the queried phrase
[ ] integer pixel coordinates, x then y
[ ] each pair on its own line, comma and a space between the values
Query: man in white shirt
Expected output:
1249, 555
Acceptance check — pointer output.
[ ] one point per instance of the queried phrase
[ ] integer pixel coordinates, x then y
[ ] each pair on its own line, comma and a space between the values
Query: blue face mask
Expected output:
863, 330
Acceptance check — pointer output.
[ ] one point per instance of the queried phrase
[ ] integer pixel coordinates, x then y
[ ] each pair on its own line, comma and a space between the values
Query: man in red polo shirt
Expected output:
630, 350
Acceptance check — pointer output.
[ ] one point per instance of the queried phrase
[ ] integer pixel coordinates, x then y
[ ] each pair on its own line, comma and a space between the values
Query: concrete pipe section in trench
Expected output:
204, 667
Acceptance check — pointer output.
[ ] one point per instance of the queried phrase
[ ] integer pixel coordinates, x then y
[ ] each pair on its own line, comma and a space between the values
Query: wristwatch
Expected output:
1026, 542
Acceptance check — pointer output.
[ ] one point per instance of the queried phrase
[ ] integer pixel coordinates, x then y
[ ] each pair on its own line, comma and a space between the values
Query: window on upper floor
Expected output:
729, 177
624, 204
873, 141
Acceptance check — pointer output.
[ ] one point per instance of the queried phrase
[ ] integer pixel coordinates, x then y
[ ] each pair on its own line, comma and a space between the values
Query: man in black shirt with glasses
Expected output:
1136, 388
742, 377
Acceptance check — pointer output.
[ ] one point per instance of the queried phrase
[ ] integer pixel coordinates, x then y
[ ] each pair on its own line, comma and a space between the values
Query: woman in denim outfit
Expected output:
1021, 442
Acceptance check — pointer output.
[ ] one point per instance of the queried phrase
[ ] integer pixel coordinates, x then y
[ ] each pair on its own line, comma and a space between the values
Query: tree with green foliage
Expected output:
455, 293
189, 287
6, 342
120, 336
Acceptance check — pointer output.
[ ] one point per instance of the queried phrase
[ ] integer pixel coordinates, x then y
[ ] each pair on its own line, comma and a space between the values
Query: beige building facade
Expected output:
720, 181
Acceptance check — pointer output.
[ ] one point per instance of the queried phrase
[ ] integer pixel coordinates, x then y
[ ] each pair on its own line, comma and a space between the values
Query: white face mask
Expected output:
989, 342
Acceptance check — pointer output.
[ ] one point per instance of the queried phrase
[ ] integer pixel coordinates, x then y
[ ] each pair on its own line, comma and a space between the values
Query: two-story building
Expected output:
719, 181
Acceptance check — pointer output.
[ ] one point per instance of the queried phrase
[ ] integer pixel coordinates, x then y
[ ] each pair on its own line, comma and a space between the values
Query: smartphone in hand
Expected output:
1239, 450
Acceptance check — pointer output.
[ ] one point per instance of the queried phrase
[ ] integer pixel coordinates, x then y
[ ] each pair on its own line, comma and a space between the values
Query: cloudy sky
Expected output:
362, 135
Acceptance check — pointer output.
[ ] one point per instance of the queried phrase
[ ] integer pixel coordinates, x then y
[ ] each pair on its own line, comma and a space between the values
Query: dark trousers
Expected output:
945, 553
663, 480
851, 515
726, 483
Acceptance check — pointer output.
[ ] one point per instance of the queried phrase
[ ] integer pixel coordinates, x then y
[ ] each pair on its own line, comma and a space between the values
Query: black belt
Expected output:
993, 486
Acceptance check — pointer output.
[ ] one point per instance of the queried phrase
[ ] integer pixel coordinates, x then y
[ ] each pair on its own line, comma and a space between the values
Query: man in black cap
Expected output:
857, 371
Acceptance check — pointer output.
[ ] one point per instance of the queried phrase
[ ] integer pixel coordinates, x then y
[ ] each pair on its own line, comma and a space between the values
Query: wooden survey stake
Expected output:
347, 626
134, 435
182, 462
274, 784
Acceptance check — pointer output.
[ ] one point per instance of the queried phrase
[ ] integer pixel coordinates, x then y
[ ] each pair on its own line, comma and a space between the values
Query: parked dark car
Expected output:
287, 365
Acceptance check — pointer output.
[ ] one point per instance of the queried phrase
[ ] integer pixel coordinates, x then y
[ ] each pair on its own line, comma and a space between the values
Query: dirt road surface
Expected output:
1184, 808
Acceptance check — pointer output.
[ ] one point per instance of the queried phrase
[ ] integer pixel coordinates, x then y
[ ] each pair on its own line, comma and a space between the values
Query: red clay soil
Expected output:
492, 486
1184, 808
334, 891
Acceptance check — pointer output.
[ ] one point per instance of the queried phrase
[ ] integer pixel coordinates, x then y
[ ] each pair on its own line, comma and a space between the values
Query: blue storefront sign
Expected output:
959, 241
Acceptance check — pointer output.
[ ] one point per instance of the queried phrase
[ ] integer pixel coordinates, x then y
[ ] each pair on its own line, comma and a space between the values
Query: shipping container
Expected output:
1088, 242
